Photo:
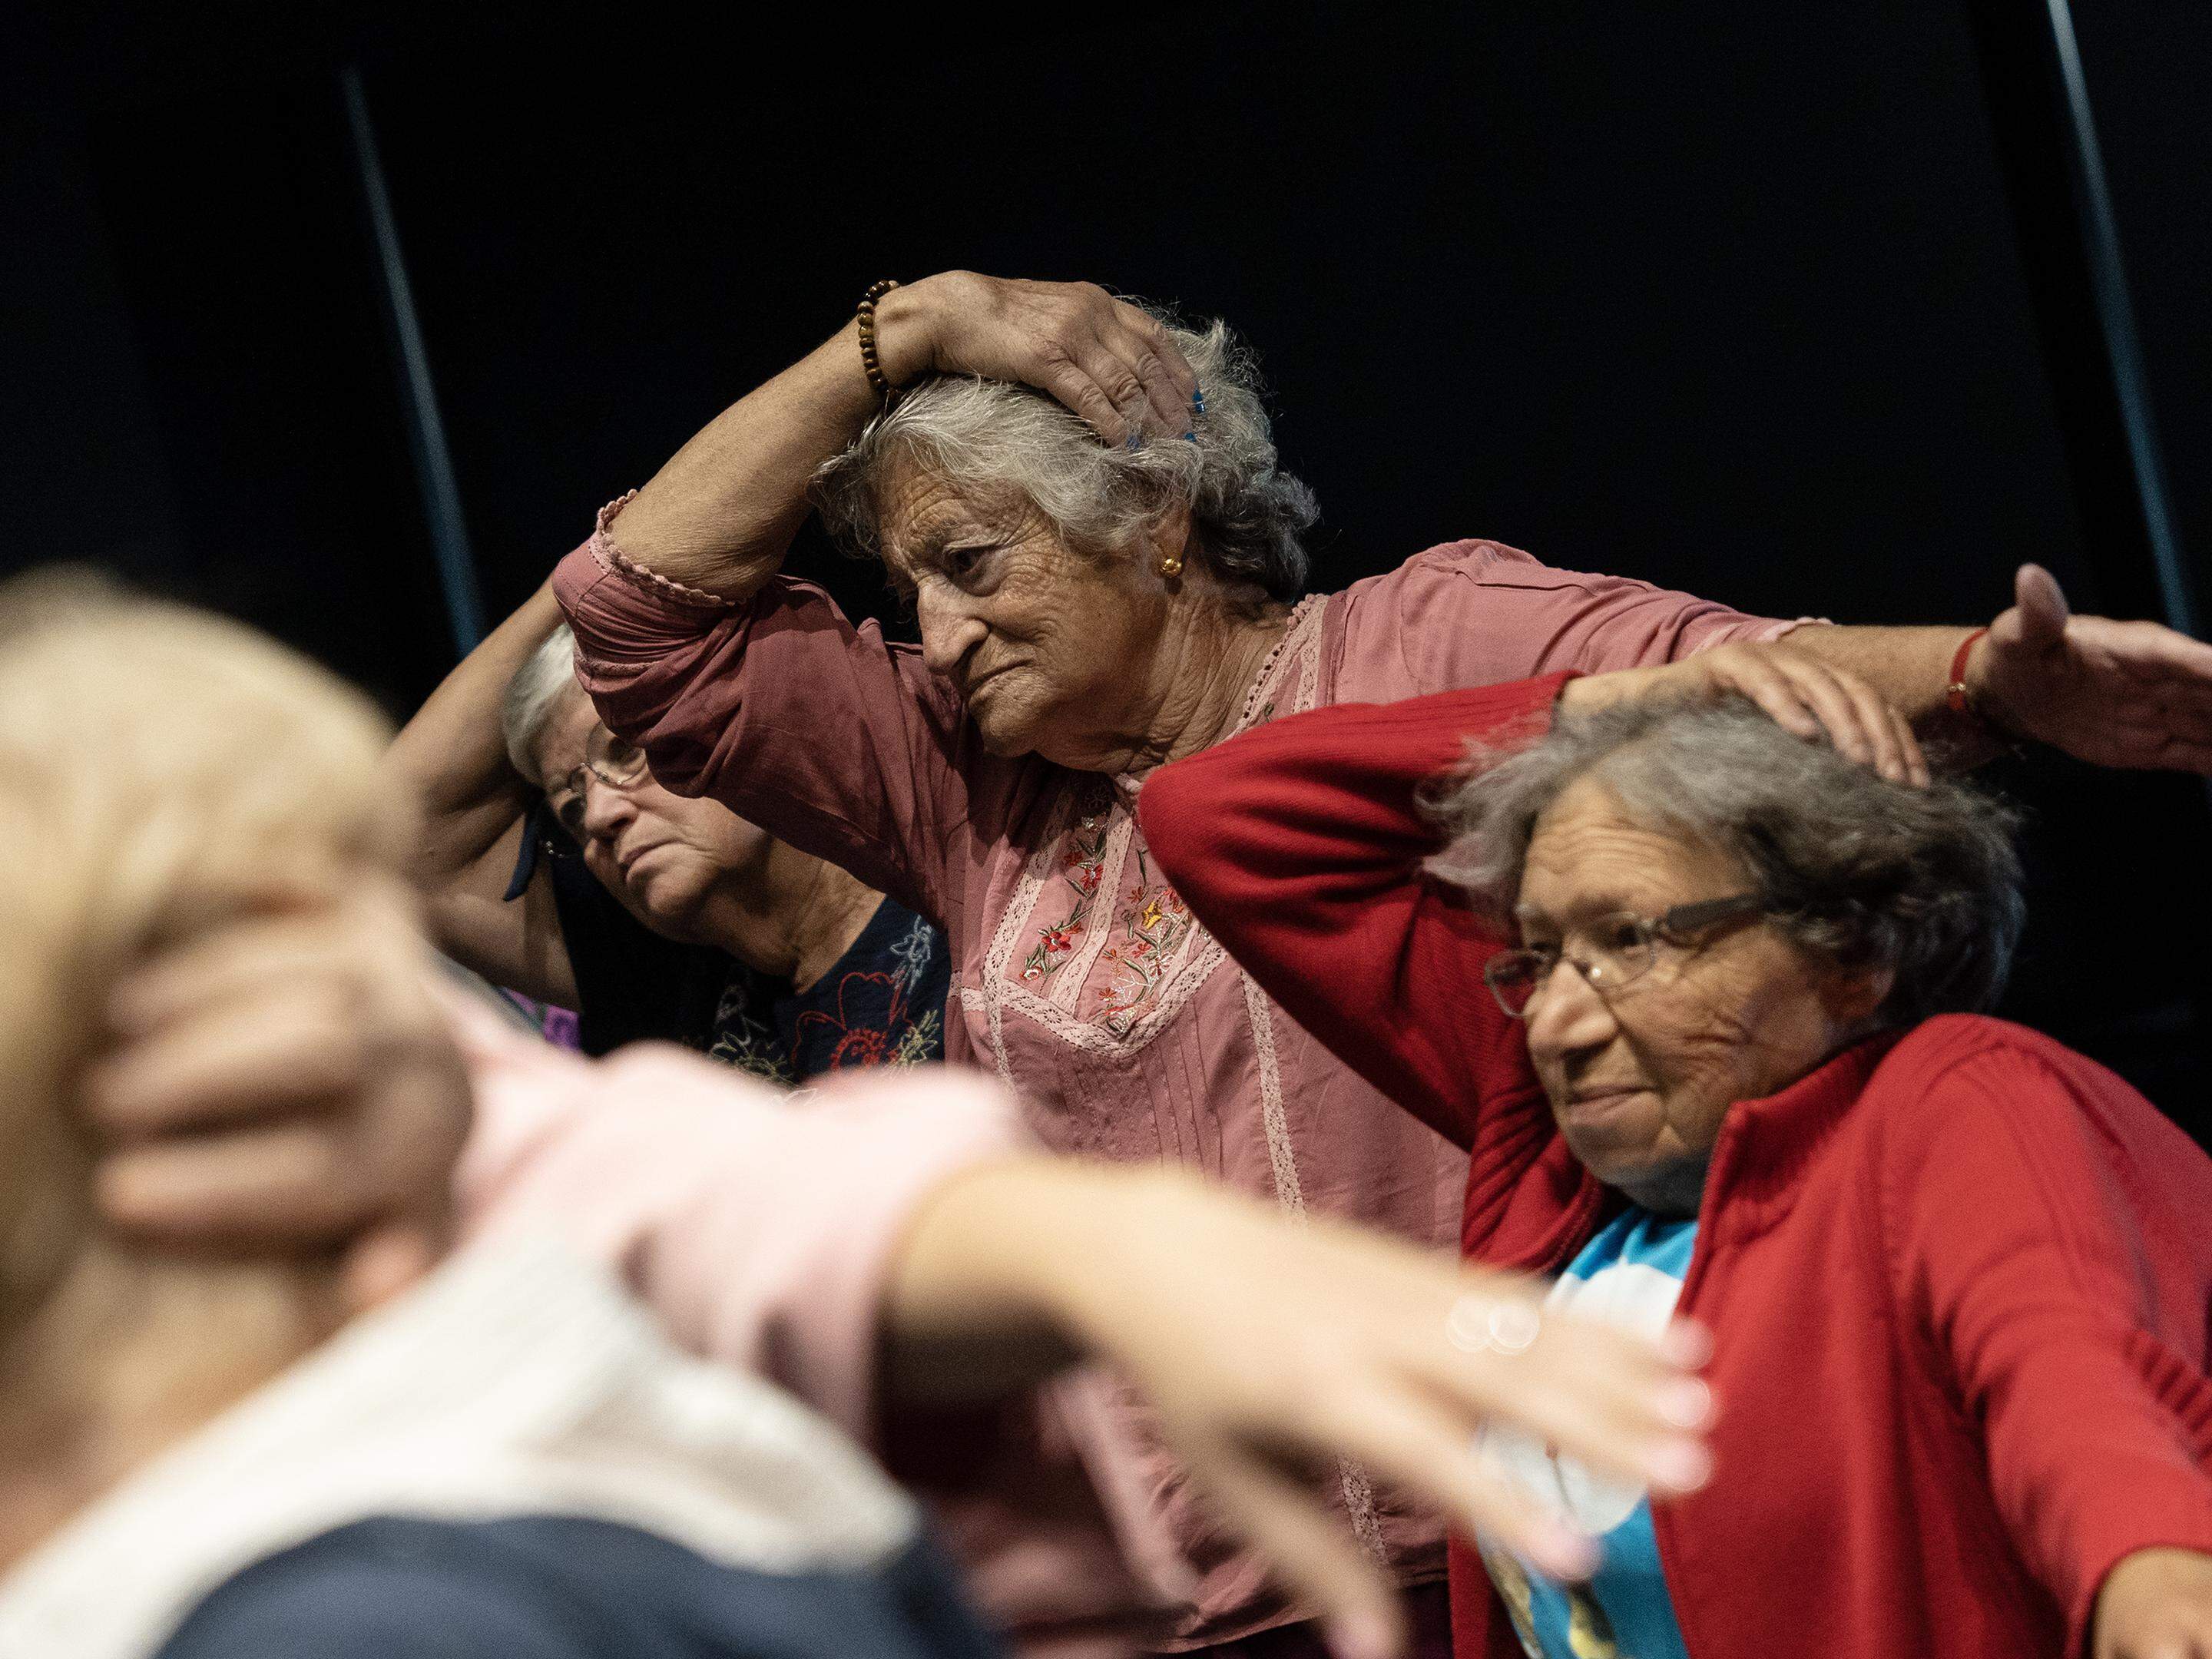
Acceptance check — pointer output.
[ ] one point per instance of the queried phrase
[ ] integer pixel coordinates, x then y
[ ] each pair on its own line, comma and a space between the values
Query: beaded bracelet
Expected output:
867, 320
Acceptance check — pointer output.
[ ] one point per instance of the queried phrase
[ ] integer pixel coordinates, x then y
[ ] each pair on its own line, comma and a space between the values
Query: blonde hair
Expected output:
160, 769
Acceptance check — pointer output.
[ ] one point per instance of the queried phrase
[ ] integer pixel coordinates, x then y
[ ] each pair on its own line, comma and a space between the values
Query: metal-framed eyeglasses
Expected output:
1613, 950
615, 762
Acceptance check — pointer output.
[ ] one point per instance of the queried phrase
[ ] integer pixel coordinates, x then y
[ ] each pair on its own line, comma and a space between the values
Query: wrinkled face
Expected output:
1049, 650
1639, 1084
663, 855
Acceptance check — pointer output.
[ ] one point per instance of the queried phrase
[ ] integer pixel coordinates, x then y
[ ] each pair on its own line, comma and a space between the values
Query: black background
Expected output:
1757, 302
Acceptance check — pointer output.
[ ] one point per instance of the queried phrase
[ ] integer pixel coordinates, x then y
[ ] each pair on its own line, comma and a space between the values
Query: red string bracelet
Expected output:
1954, 694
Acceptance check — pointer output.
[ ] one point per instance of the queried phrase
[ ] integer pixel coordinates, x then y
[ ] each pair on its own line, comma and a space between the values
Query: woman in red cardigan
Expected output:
1957, 1275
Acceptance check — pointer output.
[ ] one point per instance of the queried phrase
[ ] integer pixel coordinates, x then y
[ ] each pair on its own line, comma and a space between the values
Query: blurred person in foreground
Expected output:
551, 863
1109, 567
330, 1438
1702, 1002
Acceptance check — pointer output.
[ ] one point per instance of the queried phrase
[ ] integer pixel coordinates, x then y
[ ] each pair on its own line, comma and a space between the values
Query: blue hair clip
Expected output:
1198, 400
1136, 442
1190, 437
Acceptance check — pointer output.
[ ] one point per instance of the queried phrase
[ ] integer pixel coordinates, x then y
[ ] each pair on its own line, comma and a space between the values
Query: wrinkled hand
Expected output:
2156, 1604
287, 1083
1103, 358
1270, 1349
2132, 694
1798, 691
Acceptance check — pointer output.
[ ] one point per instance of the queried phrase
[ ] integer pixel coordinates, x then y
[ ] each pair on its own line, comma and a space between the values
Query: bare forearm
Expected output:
972, 1310
1911, 667
454, 754
722, 513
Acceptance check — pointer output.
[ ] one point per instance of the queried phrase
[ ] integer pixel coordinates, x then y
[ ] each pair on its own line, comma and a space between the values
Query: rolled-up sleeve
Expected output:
761, 1233
823, 733
1478, 613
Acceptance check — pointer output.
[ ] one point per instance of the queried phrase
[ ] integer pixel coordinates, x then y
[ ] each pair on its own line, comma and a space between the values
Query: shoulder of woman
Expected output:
1445, 562
1437, 622
1969, 1060
1966, 1098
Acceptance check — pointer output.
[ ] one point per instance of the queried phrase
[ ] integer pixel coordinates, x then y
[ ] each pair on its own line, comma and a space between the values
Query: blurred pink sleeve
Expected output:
1469, 614
758, 1230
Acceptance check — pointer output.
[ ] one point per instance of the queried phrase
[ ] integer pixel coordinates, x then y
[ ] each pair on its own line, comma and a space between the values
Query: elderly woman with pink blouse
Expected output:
1083, 502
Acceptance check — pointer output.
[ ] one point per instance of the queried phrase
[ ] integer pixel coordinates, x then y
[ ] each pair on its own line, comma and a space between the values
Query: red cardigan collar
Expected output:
1764, 1144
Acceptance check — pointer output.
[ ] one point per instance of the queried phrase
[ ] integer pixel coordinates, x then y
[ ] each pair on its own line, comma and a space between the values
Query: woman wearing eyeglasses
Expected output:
1957, 1275
650, 914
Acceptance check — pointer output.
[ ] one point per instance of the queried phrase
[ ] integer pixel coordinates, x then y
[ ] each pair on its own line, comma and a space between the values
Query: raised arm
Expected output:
750, 688
454, 756
2130, 694
1300, 846
719, 516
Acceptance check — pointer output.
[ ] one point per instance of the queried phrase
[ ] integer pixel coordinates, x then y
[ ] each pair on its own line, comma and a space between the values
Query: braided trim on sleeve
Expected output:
616, 563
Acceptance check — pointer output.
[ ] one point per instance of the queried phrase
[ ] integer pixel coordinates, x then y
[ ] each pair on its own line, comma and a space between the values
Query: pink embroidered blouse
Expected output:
1079, 977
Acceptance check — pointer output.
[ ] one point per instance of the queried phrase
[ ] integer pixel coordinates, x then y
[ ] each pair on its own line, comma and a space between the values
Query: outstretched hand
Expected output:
2133, 694
1273, 1351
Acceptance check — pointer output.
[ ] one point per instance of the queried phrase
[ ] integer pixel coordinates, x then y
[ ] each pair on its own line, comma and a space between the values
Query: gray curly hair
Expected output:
986, 437
1864, 874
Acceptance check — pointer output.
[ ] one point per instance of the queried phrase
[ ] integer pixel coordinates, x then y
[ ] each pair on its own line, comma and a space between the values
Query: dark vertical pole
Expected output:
2046, 134
426, 431
2101, 239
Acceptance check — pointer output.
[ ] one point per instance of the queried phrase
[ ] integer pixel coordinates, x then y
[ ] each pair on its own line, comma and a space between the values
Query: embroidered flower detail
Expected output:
1154, 922
1083, 868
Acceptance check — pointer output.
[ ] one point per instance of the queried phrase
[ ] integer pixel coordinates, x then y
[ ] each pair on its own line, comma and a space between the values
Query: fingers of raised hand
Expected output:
1816, 701
1143, 342
260, 1013
1607, 1397
273, 1184
1080, 382
286, 1078
1112, 364
1421, 1446
254, 1051
310, 1170
355, 949
2147, 653
1758, 676
1308, 1548
1885, 734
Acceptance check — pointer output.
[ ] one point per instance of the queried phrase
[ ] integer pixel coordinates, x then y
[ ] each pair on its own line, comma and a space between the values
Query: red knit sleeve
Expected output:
2065, 1293
1300, 844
